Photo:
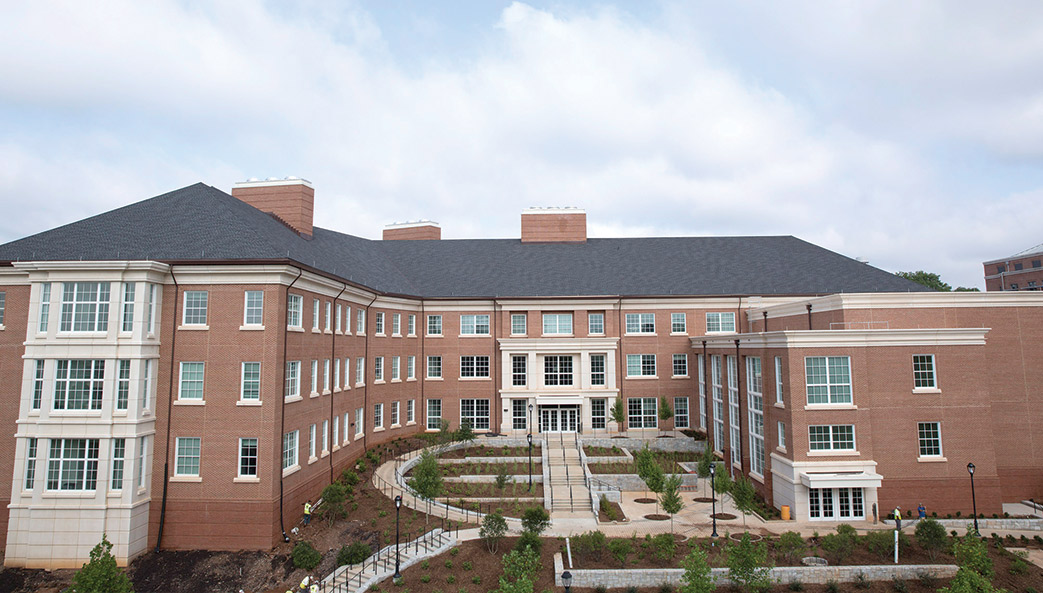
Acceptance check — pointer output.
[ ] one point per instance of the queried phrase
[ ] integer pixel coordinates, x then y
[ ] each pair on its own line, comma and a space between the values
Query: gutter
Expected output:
170, 409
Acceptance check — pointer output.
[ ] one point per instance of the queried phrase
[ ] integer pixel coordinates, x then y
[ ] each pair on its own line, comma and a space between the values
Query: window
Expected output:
195, 307
326, 376
360, 321
735, 441
360, 371
519, 421
394, 413
314, 376
557, 323
151, 313
680, 412
119, 453
311, 443
360, 422
598, 412
475, 412
640, 365
595, 323
340, 319
557, 370
336, 431
78, 384
720, 322
128, 307
642, 412
640, 323
410, 412
678, 323
1001, 268
930, 437
840, 437
518, 322
347, 320
394, 368
701, 370
248, 458
45, 308
250, 384
378, 324
519, 374
1036, 263
293, 379
680, 365
410, 367
37, 386
346, 425
142, 468
923, 371
294, 305
378, 368
325, 436
336, 374
187, 463
718, 402
434, 414
434, 325
411, 325
828, 379
328, 317
146, 384
85, 307
123, 384
347, 372
597, 369
778, 380
73, 464
315, 314
434, 367
755, 406
1018, 266
474, 325
30, 463
781, 427
253, 309
289, 449
396, 324
474, 367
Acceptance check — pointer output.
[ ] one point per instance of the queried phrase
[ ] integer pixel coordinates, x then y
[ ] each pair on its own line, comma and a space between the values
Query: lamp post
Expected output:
974, 502
713, 498
566, 579
529, 437
398, 507
530, 418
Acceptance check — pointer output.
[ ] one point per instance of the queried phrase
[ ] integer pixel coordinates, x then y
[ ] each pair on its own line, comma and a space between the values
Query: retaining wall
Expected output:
674, 444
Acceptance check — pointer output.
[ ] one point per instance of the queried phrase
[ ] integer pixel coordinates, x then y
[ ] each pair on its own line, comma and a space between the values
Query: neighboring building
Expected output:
1021, 271
186, 371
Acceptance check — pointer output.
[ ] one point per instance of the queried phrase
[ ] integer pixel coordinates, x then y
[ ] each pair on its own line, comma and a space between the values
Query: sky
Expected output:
908, 134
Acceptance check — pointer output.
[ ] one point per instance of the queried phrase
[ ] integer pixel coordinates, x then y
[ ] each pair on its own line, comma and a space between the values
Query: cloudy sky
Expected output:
910, 134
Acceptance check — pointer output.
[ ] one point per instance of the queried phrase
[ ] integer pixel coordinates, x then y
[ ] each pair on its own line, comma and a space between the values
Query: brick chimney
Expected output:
419, 230
291, 200
553, 225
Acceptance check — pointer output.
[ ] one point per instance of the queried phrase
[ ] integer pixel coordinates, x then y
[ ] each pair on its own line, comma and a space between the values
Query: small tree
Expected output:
427, 478
100, 574
619, 414
522, 563
670, 498
744, 496
333, 498
502, 477
466, 433
305, 555
748, 566
931, 536
838, 545
968, 581
445, 435
493, 528
881, 543
722, 482
697, 577
620, 549
790, 545
356, 553
705, 460
665, 411
972, 553
535, 520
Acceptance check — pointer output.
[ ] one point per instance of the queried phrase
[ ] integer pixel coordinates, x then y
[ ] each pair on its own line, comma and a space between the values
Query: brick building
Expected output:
186, 371
1021, 271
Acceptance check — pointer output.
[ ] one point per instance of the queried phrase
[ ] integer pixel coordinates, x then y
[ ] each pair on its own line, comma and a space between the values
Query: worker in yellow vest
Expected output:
898, 518
304, 584
307, 512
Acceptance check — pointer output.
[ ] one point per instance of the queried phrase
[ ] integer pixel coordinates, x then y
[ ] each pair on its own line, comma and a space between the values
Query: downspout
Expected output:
365, 395
282, 406
420, 366
170, 408
334, 360
809, 316
619, 359
494, 366
764, 328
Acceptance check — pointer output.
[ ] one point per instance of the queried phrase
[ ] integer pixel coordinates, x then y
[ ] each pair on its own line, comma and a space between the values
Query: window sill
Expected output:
360, 334
187, 479
780, 405
68, 334
475, 378
396, 335
831, 407
396, 380
357, 385
289, 399
295, 328
410, 335
189, 402
379, 382
313, 394
717, 333
316, 330
379, 335
312, 460
68, 494
336, 448
686, 335
919, 390
396, 426
932, 459
248, 328
326, 392
475, 335
640, 335
328, 331
847, 453
781, 450
641, 377
336, 390
546, 335
757, 477
411, 379
359, 435
519, 335
434, 335
378, 429
433, 379
193, 327
291, 470
324, 455
246, 480
680, 377
248, 402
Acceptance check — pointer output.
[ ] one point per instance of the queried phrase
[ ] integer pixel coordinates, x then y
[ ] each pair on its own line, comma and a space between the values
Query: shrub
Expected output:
450, 579
790, 545
502, 477
796, 585
425, 564
467, 565
862, 581
666, 588
425, 578
1018, 567
535, 520
529, 539
454, 552
832, 586
968, 581
476, 579
930, 534
100, 574
748, 565
590, 545
845, 529
601, 589
305, 556
880, 543
620, 549
449, 564
972, 553
354, 554
899, 585
697, 578
926, 579
664, 546
838, 546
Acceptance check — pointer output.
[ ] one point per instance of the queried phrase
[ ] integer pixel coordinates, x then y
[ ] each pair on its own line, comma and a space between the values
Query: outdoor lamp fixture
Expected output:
530, 418
529, 437
713, 498
566, 579
398, 507
974, 502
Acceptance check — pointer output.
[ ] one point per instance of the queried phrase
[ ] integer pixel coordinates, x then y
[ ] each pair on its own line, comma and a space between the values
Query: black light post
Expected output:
713, 498
566, 579
529, 437
398, 507
530, 418
974, 502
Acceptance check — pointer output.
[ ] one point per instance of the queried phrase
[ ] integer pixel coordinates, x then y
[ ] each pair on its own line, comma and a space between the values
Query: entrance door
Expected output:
559, 418
831, 504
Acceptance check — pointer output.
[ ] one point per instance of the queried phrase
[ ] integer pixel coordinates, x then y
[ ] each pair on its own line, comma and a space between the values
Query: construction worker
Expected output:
304, 583
314, 587
307, 512
898, 518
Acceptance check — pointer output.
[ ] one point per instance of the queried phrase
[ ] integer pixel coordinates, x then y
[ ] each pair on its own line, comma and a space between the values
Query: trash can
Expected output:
785, 512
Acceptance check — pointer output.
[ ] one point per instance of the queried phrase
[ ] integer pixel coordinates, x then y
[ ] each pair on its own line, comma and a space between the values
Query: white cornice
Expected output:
901, 300
851, 338
556, 344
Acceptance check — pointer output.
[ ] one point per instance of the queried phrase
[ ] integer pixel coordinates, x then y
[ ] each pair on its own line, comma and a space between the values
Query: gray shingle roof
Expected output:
201, 223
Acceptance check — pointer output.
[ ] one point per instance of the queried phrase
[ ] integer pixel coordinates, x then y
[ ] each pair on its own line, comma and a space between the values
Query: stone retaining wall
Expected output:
1000, 524
633, 483
535, 459
686, 444
486, 479
649, 577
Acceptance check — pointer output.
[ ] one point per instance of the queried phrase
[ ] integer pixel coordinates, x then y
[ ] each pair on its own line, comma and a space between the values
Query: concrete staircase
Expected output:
359, 577
569, 493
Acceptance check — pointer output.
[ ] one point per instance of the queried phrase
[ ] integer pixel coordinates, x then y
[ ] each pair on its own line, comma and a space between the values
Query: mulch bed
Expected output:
449, 573
487, 451
489, 490
645, 500
657, 517
704, 499
724, 516
617, 513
